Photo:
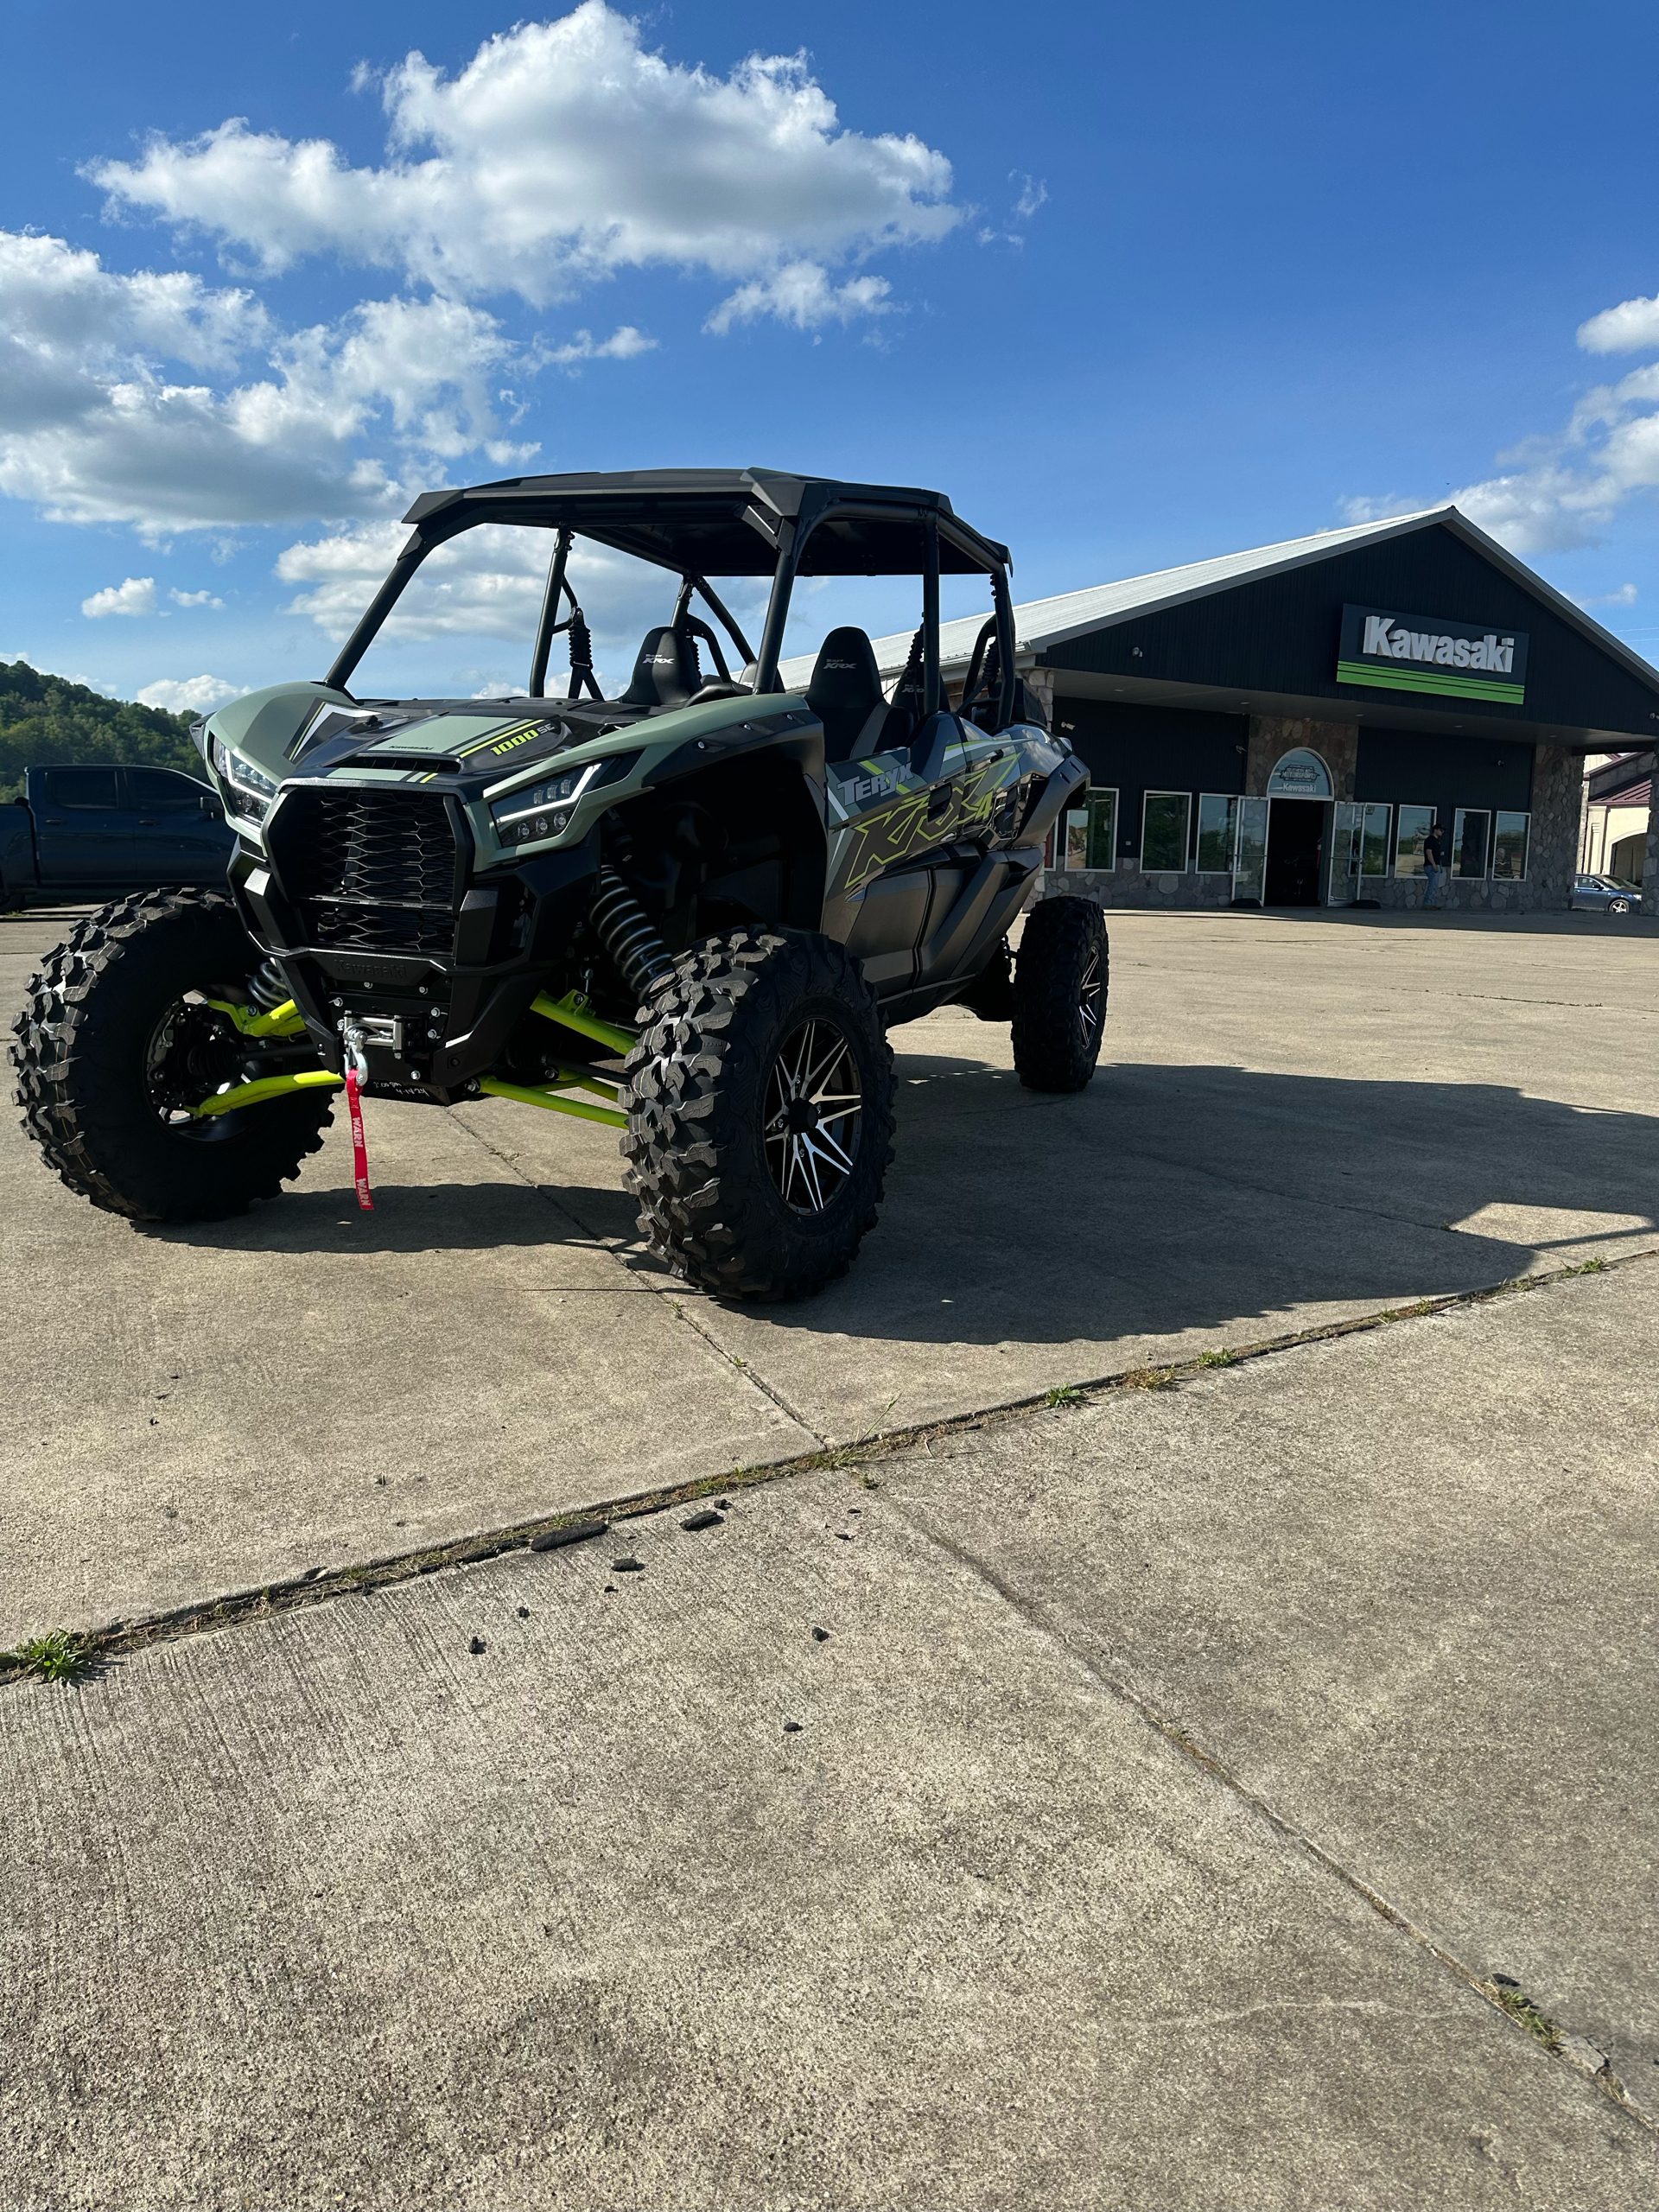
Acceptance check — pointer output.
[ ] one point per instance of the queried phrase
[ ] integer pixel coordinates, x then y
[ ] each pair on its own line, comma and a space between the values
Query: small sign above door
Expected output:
1299, 774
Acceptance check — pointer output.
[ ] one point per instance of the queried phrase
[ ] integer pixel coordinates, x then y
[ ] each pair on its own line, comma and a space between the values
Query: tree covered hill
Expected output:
46, 718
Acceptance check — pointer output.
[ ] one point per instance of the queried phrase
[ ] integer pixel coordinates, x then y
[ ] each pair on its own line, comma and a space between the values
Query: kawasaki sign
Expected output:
1427, 652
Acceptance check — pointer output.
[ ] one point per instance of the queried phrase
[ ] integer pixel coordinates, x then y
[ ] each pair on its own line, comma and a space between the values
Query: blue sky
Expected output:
1133, 286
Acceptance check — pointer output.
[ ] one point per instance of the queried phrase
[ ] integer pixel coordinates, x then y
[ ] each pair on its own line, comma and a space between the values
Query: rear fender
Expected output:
1064, 783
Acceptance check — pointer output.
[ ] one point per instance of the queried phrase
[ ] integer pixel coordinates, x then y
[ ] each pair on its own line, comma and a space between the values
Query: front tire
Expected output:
113, 1025
1060, 995
760, 1102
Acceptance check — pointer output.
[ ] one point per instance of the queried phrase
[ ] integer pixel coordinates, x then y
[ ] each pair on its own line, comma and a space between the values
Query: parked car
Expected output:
1606, 894
89, 833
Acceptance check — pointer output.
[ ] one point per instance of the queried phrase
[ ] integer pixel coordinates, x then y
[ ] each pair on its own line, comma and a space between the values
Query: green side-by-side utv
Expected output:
692, 912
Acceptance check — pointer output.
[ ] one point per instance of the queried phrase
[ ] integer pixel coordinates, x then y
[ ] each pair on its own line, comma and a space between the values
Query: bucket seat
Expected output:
845, 695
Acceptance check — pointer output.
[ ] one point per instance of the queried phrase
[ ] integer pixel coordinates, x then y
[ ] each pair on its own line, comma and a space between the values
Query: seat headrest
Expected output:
845, 678
666, 673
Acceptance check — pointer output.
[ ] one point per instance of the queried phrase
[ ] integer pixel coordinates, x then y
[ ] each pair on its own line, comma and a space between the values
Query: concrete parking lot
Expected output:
1237, 1793
1296, 1121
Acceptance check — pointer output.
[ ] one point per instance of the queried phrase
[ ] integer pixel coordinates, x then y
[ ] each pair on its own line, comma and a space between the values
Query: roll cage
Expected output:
699, 523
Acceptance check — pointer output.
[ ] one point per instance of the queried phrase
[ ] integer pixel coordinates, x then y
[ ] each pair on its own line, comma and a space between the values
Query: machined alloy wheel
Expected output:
759, 1103
815, 1105
1090, 1015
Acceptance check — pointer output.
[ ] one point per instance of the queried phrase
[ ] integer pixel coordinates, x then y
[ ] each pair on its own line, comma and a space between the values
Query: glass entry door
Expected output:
1251, 856
1346, 829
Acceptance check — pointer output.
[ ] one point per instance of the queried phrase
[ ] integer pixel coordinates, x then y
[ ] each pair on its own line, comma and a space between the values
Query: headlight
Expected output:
543, 810
251, 790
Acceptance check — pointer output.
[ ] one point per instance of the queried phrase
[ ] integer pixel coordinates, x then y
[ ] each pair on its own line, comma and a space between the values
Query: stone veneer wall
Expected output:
1273, 736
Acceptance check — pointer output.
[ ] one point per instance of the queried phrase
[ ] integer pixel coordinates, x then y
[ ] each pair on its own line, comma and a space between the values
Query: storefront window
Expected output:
1415, 822
1217, 833
1091, 833
1373, 840
1102, 828
1469, 834
1166, 824
1509, 847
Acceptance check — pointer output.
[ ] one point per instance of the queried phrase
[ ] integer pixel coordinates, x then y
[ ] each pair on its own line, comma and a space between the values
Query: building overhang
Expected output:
1466, 720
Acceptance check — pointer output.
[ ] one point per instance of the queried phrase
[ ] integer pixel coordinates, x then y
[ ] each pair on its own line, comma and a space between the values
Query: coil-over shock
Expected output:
624, 929
268, 987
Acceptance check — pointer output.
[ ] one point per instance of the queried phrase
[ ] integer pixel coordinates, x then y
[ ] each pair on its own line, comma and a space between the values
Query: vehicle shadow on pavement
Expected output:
1162, 1199
1168, 1198
413, 1216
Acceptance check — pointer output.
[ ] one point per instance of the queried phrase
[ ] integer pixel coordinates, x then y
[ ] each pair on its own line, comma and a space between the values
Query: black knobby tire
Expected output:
1060, 995
81, 1051
711, 1073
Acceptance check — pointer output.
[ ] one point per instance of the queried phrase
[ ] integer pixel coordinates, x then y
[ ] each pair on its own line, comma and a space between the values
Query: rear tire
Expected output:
1060, 995
85, 1047
745, 1187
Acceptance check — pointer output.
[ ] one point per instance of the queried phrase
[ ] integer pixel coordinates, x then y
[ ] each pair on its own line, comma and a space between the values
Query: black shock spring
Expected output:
623, 927
268, 987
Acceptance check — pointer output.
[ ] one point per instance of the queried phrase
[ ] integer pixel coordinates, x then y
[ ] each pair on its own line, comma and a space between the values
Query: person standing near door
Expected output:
1435, 865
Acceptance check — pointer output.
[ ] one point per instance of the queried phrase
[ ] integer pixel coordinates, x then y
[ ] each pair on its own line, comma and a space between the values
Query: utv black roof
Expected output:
725, 522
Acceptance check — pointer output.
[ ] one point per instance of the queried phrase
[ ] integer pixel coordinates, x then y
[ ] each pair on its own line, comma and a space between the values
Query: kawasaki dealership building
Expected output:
1283, 726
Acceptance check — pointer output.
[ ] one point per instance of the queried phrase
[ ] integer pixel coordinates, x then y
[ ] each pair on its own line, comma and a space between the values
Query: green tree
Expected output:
46, 719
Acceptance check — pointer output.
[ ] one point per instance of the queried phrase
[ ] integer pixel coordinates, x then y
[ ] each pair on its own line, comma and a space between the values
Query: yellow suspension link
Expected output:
550, 1099
572, 1011
266, 1086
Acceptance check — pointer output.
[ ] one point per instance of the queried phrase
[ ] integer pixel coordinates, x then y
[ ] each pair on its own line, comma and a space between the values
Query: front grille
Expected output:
370, 871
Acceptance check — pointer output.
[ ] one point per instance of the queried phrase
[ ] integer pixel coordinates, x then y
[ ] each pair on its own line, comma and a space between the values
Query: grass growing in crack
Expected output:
1149, 1378
1521, 2009
1587, 1268
1063, 1394
1222, 1358
58, 1657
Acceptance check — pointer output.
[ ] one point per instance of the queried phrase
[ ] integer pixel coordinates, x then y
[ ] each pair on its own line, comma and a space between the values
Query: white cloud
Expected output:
94, 427
195, 599
1369, 509
802, 295
1626, 596
188, 695
624, 345
1034, 193
135, 597
1630, 327
563, 152
1562, 490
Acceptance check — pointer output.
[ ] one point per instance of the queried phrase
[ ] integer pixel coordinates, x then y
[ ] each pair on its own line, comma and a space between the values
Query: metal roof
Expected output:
1042, 624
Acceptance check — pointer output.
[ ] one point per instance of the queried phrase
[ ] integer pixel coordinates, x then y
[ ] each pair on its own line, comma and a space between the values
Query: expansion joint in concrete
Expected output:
119, 1639
1520, 2015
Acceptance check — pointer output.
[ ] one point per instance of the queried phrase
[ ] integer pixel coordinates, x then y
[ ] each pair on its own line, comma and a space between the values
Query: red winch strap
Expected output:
360, 1150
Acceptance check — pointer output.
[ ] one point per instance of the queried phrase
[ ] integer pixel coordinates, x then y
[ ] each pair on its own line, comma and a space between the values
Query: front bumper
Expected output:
442, 998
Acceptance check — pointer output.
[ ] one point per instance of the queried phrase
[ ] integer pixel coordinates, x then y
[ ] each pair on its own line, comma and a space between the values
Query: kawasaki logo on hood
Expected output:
1430, 653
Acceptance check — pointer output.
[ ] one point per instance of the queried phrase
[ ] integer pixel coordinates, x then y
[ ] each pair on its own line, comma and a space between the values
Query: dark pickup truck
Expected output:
92, 833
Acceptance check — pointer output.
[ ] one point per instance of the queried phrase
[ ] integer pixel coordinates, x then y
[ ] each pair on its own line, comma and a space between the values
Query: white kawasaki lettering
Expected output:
1382, 641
